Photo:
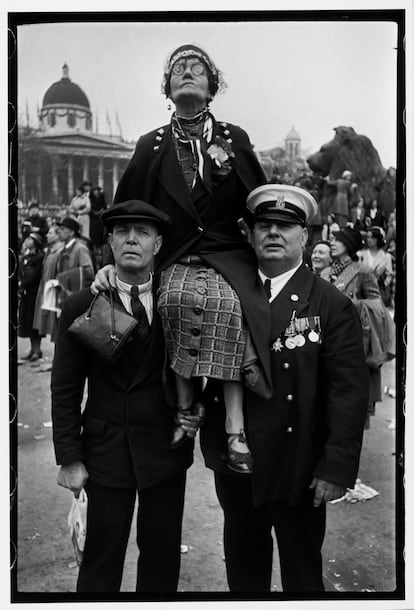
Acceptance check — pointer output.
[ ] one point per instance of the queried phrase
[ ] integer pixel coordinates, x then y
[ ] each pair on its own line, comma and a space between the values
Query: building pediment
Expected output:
85, 141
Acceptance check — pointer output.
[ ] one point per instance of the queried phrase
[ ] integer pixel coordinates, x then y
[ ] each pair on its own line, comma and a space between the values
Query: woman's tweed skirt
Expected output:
202, 320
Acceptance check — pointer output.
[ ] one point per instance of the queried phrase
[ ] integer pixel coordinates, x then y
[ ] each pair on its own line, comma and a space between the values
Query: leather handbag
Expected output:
104, 328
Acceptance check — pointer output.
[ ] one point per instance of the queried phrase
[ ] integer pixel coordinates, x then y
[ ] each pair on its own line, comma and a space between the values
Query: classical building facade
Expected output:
64, 151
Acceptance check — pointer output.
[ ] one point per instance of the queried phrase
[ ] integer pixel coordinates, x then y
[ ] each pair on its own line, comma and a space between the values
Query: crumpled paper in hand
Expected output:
360, 493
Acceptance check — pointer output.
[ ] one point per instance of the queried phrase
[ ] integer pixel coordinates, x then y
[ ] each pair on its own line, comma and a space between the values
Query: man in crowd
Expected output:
74, 267
305, 440
120, 444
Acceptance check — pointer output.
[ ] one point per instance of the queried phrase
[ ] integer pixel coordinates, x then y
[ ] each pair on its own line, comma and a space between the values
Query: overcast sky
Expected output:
310, 75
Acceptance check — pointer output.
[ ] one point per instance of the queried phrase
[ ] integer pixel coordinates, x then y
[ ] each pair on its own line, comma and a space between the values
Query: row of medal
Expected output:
299, 330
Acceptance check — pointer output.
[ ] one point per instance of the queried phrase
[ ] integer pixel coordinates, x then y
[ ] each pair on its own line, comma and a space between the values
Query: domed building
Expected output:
64, 150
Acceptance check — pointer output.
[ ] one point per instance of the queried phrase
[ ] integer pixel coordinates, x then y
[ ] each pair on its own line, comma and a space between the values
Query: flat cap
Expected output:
282, 202
135, 209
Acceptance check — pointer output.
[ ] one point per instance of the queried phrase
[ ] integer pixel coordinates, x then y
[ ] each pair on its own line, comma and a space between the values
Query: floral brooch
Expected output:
221, 152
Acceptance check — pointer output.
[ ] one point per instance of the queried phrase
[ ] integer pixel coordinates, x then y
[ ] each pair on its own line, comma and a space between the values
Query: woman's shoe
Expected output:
237, 461
178, 436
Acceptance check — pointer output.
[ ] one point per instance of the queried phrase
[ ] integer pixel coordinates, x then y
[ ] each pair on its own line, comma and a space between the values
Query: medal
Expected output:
299, 340
313, 336
290, 332
290, 343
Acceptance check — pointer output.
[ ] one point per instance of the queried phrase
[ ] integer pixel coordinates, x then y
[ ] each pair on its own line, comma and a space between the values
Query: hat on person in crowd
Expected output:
37, 238
135, 210
281, 202
70, 223
346, 174
86, 183
351, 238
214, 75
379, 234
34, 204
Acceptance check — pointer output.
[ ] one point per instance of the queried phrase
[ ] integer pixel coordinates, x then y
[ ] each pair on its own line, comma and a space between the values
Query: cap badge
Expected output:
280, 202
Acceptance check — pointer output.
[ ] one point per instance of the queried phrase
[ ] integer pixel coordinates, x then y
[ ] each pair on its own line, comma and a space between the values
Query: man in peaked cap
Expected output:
119, 445
306, 439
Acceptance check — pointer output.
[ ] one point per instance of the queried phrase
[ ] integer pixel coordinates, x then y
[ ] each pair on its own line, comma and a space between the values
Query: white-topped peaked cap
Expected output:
282, 202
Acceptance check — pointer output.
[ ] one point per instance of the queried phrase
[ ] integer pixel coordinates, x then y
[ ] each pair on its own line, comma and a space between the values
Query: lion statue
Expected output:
351, 151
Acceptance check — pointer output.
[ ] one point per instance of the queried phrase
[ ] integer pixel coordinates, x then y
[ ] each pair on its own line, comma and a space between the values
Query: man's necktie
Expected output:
267, 288
138, 311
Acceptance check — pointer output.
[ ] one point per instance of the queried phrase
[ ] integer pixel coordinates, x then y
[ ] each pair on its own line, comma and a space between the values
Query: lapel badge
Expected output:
294, 297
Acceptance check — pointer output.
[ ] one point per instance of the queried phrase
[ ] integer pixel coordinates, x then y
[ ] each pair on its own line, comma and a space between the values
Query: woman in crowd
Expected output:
200, 171
357, 282
30, 272
80, 208
45, 321
379, 262
321, 256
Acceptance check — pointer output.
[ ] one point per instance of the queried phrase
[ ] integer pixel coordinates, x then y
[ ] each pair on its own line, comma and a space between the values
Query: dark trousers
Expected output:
248, 543
159, 521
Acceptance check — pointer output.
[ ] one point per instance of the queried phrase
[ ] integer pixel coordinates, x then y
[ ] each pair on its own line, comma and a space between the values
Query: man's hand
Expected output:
191, 423
104, 279
73, 477
326, 491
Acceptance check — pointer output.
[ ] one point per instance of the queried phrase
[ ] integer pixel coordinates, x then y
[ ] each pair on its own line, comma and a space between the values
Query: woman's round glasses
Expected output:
196, 68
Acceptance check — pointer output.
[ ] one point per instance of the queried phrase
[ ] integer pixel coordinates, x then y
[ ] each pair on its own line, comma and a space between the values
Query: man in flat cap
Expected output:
119, 444
306, 439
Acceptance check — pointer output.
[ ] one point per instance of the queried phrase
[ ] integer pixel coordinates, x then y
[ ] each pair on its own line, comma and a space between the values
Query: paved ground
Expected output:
359, 551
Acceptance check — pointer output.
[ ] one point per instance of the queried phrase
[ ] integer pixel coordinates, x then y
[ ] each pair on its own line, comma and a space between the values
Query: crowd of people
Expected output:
262, 338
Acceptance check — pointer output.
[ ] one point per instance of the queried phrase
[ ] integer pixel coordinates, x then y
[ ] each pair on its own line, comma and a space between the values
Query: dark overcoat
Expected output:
313, 424
205, 221
122, 434
30, 273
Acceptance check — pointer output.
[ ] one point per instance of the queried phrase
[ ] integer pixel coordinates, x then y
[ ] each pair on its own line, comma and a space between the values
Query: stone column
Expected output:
70, 179
85, 168
55, 184
115, 176
101, 173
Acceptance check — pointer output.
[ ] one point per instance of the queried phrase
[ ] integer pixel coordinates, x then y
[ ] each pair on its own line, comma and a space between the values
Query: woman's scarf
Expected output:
337, 267
202, 123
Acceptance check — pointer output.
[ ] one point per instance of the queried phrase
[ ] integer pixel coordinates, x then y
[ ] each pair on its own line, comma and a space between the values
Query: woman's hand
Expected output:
104, 279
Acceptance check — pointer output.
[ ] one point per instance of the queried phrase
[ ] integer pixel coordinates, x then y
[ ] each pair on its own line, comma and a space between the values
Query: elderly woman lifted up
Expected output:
200, 171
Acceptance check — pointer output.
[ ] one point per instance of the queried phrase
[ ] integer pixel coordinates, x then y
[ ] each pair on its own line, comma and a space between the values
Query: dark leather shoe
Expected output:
237, 461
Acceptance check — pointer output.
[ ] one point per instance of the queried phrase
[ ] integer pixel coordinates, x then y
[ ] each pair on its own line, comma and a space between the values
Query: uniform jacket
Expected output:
206, 219
122, 435
313, 424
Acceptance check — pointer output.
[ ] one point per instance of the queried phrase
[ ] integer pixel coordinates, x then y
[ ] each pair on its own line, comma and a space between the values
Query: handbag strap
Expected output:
89, 312
111, 298
111, 301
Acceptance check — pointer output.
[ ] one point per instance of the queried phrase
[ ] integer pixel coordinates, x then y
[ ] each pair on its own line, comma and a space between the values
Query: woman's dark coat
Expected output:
205, 221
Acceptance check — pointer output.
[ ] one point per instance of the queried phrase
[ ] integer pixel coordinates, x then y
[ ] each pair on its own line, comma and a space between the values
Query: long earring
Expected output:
169, 105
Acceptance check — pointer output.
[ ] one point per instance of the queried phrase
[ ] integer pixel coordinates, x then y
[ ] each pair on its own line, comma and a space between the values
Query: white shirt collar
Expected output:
70, 243
278, 282
125, 288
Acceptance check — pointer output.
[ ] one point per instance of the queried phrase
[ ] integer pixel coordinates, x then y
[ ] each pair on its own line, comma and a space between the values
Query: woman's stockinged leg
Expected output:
233, 400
